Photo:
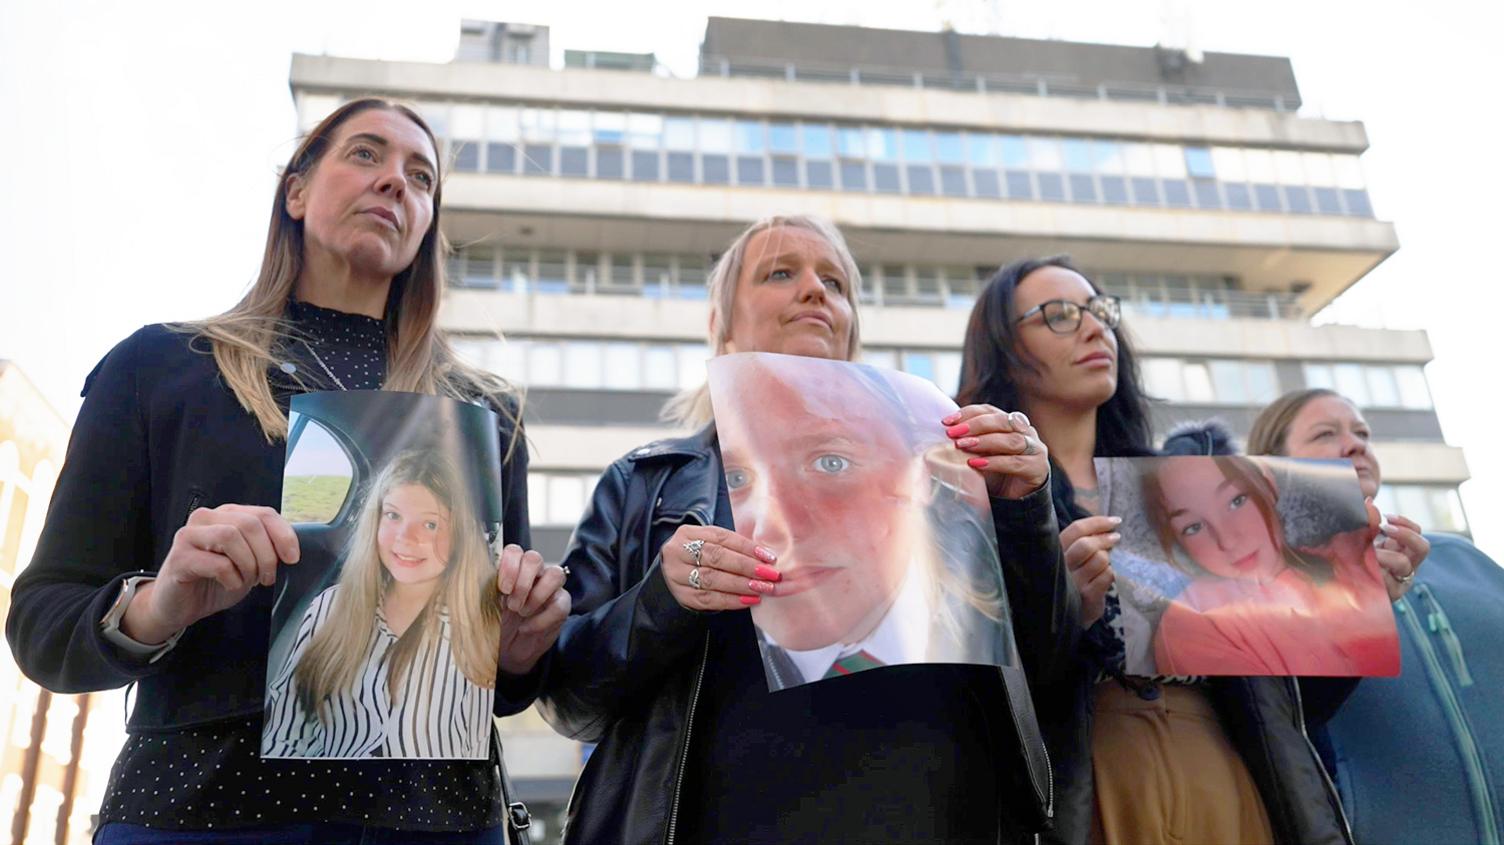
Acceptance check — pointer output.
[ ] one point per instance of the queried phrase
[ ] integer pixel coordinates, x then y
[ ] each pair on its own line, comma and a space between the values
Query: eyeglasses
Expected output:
1063, 316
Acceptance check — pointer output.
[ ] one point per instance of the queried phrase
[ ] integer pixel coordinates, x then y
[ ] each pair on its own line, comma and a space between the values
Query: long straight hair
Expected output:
992, 369
246, 339
691, 408
466, 592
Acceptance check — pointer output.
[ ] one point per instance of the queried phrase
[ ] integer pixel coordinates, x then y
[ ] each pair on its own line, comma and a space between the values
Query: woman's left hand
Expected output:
534, 605
1400, 549
1006, 449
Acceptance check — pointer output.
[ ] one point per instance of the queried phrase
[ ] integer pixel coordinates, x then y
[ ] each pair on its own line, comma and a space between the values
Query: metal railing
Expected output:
1039, 85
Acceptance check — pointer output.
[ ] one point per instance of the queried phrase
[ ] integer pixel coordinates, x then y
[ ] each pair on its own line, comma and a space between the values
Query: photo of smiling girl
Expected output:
398, 658
1256, 604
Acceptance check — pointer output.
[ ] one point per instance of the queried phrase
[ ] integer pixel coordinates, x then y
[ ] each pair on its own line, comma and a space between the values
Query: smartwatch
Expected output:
109, 626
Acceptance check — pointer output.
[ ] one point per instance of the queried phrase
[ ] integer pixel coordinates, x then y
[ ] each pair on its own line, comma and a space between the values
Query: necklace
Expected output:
320, 362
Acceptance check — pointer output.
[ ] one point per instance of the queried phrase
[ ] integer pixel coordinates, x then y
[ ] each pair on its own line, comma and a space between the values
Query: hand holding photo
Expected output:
386, 645
1265, 567
880, 533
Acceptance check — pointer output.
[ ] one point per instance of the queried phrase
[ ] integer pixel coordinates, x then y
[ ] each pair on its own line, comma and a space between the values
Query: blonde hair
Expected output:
467, 592
691, 408
245, 339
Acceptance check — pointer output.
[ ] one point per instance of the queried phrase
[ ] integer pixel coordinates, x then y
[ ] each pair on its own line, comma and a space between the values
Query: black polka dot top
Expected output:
212, 776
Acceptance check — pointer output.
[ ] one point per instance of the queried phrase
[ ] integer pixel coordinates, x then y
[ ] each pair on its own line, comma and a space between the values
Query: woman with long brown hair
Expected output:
1136, 759
156, 561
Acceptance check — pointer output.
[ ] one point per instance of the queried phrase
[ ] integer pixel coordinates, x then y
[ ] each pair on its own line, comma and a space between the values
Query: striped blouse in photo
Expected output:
437, 712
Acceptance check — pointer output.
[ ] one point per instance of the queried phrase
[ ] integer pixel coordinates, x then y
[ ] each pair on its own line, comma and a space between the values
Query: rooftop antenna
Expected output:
1177, 20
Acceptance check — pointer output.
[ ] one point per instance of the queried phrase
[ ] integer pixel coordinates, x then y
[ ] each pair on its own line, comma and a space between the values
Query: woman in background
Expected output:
1137, 759
1415, 757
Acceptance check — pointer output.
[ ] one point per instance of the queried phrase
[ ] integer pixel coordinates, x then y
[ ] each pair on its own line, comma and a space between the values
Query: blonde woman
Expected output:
396, 658
660, 664
161, 545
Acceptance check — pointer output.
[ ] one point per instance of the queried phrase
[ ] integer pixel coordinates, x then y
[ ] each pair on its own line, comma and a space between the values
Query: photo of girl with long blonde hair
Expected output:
398, 658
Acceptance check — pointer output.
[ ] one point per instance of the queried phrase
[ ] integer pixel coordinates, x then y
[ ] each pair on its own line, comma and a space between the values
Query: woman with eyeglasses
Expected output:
1136, 759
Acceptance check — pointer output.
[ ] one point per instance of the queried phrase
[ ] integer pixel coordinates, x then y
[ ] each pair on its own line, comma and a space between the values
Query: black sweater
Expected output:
159, 434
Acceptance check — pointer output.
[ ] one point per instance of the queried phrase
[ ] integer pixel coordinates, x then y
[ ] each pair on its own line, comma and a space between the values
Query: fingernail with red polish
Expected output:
765, 553
760, 587
976, 463
768, 573
958, 430
966, 442
751, 600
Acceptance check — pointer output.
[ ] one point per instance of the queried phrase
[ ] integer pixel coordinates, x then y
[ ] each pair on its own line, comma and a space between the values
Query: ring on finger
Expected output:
1030, 447
694, 578
694, 547
1406, 578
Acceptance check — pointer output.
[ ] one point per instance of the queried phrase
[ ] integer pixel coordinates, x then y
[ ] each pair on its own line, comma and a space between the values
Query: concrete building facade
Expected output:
587, 204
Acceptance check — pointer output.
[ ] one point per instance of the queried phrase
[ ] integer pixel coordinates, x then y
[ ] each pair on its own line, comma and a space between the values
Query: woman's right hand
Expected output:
1087, 542
733, 572
215, 560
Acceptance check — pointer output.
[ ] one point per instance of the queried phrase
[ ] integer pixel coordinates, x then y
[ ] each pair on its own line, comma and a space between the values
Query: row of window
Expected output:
663, 275
1373, 385
664, 366
1435, 508
1255, 383
717, 150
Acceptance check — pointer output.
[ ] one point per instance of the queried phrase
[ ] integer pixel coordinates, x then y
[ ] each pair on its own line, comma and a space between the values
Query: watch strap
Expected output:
110, 625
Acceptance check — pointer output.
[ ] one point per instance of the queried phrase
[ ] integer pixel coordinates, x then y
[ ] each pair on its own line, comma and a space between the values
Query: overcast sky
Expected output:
145, 136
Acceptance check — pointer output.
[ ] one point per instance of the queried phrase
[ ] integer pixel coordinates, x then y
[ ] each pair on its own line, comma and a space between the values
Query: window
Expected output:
1199, 163
478, 269
566, 499
623, 367
692, 358
582, 365
318, 474
1412, 386
658, 368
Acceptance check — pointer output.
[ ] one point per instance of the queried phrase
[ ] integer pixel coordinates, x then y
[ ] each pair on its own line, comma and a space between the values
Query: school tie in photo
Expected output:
852, 663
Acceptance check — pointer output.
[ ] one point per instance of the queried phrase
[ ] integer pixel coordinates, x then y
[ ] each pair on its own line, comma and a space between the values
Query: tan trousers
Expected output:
1166, 773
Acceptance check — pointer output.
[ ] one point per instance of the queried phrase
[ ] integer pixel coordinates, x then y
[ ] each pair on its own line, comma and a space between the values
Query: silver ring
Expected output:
694, 547
565, 569
1029, 447
694, 579
1404, 579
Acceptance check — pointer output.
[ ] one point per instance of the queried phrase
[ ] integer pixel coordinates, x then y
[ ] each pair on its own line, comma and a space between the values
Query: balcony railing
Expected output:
1038, 85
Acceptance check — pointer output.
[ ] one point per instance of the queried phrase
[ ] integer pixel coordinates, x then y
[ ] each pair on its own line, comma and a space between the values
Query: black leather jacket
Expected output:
628, 666
1266, 719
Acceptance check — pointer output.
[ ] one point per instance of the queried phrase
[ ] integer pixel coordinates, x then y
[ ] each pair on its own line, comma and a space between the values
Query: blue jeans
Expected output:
119, 833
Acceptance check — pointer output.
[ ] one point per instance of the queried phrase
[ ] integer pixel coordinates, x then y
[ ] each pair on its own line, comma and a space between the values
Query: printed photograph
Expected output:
884, 535
385, 636
1247, 566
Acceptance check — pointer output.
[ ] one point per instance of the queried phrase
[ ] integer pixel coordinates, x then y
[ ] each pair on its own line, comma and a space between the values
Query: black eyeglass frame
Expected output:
1097, 306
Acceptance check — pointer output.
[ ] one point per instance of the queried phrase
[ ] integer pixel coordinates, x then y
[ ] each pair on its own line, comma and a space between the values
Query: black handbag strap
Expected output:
518, 818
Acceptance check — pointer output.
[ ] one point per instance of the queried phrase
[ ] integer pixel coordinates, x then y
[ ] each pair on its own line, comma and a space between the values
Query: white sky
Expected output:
144, 139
